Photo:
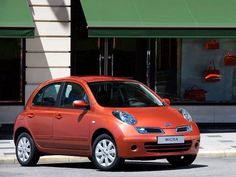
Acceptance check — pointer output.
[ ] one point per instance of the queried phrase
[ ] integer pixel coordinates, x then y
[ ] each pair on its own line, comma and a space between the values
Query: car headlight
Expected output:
185, 114
125, 117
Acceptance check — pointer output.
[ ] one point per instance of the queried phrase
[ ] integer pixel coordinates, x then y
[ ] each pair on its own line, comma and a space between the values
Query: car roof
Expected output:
96, 78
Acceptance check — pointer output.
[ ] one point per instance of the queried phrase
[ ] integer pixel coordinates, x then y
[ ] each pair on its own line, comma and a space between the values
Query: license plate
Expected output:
170, 139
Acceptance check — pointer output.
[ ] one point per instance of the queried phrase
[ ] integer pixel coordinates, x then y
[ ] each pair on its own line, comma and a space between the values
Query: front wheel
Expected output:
181, 161
26, 151
105, 155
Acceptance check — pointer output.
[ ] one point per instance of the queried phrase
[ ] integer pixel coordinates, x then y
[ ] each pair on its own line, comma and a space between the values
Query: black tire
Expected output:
115, 164
181, 161
90, 159
33, 154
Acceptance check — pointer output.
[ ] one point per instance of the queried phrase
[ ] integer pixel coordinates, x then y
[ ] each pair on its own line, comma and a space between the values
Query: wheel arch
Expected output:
99, 132
19, 131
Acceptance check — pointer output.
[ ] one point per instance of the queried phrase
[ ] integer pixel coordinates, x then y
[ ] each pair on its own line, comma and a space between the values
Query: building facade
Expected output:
70, 40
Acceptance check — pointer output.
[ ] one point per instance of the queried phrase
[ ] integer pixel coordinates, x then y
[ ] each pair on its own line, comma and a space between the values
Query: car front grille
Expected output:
154, 147
154, 130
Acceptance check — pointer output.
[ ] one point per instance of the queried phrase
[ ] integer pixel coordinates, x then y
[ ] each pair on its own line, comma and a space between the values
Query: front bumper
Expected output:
141, 146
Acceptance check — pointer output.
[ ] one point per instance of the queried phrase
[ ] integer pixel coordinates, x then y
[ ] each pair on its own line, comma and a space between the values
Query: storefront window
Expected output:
204, 74
11, 71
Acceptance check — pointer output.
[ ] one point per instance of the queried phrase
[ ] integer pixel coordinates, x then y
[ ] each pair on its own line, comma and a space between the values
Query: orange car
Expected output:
106, 119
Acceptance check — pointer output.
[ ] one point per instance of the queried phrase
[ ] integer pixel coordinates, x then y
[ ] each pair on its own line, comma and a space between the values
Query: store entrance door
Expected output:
121, 58
111, 57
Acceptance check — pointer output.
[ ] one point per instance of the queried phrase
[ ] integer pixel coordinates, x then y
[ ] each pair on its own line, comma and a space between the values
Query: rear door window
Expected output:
47, 96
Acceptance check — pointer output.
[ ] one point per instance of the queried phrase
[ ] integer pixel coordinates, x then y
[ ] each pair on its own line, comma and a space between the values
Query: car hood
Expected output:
156, 117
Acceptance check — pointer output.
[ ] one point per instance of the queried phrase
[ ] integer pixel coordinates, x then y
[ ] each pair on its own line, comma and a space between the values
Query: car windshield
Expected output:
123, 94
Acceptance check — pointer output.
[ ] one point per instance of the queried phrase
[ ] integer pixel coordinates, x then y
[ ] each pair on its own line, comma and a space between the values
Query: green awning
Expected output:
161, 18
15, 19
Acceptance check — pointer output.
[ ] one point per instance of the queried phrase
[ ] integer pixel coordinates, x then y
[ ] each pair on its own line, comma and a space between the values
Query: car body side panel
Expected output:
40, 123
71, 131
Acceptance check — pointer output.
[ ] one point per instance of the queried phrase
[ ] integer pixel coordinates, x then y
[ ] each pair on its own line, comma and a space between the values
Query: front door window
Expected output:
71, 93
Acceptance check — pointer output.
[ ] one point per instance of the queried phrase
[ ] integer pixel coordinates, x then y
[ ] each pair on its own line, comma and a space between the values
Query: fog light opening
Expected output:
134, 148
196, 145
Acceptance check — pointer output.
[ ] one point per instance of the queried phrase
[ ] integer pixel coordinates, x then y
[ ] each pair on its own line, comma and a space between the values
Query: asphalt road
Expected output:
212, 167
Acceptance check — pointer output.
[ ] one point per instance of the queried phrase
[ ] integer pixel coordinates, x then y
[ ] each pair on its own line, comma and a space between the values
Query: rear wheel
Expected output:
26, 151
181, 161
105, 155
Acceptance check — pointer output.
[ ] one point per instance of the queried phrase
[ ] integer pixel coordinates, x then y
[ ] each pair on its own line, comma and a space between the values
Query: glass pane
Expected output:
87, 57
50, 95
123, 94
38, 98
47, 96
10, 70
205, 77
71, 93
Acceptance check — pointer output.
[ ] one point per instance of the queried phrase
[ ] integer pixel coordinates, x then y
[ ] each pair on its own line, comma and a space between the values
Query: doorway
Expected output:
110, 57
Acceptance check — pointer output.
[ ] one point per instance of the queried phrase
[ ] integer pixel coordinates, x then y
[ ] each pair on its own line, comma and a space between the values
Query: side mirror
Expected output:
166, 100
80, 104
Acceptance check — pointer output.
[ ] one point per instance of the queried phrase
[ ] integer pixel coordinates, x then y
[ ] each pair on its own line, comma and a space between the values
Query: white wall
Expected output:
9, 113
48, 54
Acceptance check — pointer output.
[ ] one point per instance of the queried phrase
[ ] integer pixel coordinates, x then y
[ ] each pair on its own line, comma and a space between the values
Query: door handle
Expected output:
59, 116
30, 115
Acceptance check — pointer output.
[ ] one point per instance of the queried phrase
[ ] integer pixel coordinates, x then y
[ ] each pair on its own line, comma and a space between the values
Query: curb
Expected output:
219, 153
46, 159
70, 159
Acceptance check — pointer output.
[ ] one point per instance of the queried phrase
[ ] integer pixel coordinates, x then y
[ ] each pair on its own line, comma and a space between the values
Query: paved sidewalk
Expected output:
212, 145
218, 144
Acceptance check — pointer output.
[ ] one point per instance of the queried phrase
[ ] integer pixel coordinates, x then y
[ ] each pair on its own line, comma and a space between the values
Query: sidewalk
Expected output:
212, 145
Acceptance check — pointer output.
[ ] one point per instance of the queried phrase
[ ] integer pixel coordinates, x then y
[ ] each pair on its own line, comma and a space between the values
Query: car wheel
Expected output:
105, 155
26, 151
181, 161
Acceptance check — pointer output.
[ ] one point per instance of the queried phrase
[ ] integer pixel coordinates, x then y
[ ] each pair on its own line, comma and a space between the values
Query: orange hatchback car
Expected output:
106, 119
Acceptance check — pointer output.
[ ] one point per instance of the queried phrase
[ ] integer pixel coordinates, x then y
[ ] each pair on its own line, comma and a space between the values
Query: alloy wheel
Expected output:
105, 152
26, 152
24, 149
